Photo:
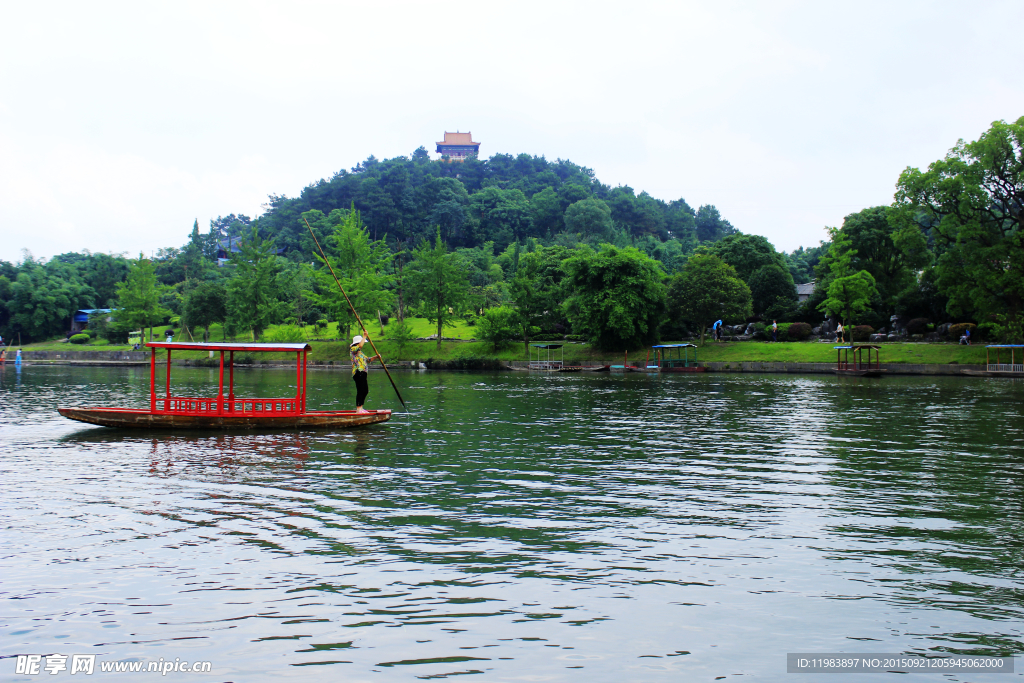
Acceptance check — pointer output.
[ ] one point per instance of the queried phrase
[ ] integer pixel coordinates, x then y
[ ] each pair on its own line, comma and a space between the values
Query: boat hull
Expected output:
144, 419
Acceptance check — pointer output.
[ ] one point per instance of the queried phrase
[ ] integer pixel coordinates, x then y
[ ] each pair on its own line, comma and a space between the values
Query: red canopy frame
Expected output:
190, 405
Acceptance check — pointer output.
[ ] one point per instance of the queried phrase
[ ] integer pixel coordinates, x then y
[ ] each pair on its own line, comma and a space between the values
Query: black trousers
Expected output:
362, 389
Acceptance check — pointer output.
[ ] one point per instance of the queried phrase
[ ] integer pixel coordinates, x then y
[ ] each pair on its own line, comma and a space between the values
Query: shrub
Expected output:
79, 339
799, 331
861, 333
99, 342
499, 326
401, 334
956, 331
917, 326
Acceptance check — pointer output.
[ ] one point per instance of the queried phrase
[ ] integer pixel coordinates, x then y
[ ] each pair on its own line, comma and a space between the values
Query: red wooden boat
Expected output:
225, 412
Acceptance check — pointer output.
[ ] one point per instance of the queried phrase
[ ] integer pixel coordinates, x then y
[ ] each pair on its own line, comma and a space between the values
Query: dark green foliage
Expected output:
499, 326
799, 331
708, 289
589, 218
617, 297
861, 333
43, 298
204, 305
710, 226
79, 339
253, 301
970, 205
801, 262
768, 284
917, 326
747, 254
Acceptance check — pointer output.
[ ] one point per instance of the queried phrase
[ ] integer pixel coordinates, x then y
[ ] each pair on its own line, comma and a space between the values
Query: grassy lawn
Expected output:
336, 349
817, 352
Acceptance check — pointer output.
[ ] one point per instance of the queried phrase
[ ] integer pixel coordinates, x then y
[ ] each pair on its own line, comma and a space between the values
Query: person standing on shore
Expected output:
775, 330
359, 361
840, 333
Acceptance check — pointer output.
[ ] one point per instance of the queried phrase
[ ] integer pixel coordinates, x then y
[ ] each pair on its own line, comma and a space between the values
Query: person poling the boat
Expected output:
359, 361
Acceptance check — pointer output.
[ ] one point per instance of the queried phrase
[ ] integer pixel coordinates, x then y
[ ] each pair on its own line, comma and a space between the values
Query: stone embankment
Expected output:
114, 358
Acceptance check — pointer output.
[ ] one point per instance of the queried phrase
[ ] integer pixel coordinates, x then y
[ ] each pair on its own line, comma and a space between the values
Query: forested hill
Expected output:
502, 200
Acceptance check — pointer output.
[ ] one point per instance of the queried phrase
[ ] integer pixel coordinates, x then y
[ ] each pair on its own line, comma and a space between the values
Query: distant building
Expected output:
80, 321
804, 291
227, 246
458, 146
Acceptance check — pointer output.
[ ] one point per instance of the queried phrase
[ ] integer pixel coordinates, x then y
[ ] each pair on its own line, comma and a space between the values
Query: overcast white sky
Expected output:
121, 123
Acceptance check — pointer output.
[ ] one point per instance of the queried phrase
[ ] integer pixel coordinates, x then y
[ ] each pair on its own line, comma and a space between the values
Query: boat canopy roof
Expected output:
546, 346
1005, 346
858, 346
673, 346
230, 346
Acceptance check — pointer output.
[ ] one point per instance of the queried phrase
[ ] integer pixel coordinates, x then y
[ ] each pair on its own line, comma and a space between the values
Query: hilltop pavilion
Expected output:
458, 146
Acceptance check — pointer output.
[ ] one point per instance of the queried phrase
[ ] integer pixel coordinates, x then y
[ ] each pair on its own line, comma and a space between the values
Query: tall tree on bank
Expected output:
204, 305
708, 289
849, 293
138, 297
617, 299
254, 290
439, 282
973, 202
361, 265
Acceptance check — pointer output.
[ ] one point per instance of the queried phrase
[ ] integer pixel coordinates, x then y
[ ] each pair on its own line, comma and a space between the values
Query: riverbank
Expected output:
574, 353
916, 359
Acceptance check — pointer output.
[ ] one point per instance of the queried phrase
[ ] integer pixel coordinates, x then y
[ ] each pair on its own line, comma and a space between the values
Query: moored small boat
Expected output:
222, 411
681, 363
858, 368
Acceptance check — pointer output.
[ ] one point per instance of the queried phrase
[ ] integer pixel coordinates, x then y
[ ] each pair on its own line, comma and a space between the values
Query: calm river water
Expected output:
518, 526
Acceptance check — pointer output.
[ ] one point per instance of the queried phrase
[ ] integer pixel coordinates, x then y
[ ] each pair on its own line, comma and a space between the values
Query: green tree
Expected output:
970, 203
589, 218
893, 257
547, 211
710, 226
499, 326
439, 281
708, 289
361, 265
537, 291
504, 215
254, 290
770, 283
204, 305
44, 297
138, 297
849, 296
401, 334
617, 298
747, 253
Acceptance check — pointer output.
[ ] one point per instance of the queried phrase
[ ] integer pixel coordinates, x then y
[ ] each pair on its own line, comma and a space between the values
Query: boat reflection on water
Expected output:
230, 450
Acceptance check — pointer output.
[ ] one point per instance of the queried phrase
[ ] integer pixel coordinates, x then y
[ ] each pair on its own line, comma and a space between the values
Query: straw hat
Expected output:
356, 340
